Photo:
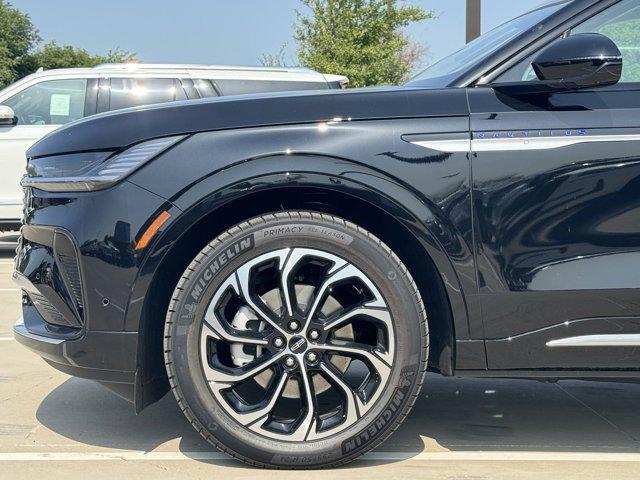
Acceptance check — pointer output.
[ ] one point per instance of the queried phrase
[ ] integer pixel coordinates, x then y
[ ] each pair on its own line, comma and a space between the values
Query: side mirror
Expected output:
580, 61
586, 60
7, 116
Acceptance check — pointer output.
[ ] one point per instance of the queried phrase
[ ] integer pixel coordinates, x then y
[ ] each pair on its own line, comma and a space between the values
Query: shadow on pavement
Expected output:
88, 413
524, 415
450, 414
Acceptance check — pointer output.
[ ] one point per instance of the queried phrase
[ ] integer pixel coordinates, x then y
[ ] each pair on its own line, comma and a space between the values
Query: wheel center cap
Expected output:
298, 344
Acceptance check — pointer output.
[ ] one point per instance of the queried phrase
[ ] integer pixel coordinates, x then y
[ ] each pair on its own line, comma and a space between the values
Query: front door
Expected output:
556, 193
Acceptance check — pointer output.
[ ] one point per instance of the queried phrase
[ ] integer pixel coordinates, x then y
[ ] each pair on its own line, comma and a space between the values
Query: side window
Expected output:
205, 88
621, 23
52, 102
133, 92
239, 87
189, 88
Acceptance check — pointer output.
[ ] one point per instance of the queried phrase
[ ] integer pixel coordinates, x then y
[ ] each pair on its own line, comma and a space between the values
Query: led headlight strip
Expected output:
104, 174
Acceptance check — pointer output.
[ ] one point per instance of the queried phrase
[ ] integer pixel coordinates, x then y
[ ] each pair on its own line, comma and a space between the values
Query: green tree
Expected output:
53, 55
19, 56
18, 36
274, 59
362, 39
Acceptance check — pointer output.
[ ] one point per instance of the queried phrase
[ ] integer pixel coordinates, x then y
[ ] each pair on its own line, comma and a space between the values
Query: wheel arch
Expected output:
380, 205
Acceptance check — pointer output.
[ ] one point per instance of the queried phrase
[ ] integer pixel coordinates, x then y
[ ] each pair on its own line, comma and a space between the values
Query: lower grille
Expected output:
50, 313
47, 263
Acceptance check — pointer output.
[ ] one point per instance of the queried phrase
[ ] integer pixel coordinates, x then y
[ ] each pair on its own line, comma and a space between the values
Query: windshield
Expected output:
442, 72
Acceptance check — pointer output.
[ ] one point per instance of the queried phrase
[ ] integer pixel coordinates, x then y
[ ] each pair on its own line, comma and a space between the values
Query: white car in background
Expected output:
40, 103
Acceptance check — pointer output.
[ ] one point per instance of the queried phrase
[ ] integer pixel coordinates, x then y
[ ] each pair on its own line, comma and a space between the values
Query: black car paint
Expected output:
119, 129
545, 215
489, 221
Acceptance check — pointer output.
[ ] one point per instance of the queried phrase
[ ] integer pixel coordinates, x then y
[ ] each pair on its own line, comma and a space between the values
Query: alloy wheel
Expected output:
297, 344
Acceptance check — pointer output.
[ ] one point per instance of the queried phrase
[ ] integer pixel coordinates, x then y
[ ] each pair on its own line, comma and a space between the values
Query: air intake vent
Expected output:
69, 269
50, 313
67, 262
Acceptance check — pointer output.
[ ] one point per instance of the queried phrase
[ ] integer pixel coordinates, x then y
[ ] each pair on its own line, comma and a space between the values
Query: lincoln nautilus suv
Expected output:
290, 265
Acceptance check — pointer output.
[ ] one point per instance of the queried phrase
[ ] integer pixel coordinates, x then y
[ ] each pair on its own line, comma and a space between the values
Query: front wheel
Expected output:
296, 340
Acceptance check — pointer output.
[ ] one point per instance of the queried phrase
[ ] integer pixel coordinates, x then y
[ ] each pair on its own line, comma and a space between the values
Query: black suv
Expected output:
291, 265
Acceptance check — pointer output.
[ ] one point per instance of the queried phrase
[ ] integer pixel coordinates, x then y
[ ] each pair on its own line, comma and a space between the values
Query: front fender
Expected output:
437, 238
436, 185
427, 191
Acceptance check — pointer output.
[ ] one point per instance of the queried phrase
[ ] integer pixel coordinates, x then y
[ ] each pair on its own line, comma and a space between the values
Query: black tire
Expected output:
247, 241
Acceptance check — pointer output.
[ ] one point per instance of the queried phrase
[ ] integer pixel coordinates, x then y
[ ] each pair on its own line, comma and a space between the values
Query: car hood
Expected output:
121, 128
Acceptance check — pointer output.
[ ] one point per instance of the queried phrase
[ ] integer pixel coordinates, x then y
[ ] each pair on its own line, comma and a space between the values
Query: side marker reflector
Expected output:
152, 230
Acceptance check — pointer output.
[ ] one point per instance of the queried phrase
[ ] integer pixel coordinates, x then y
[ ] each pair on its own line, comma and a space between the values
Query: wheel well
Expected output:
384, 226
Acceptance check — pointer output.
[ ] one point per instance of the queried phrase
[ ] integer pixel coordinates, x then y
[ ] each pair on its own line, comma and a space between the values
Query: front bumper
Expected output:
78, 357
76, 265
85, 357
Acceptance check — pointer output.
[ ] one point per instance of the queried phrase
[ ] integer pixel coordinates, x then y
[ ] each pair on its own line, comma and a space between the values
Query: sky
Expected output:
232, 32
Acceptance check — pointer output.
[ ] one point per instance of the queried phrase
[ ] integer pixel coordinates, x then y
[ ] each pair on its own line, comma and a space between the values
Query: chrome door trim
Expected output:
543, 143
609, 340
505, 142
462, 145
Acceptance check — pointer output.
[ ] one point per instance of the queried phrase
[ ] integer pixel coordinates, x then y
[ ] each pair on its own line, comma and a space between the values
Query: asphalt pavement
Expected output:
54, 426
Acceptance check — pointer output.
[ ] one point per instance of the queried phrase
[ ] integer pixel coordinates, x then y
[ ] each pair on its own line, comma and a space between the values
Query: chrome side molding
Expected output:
518, 143
457, 145
611, 340
543, 143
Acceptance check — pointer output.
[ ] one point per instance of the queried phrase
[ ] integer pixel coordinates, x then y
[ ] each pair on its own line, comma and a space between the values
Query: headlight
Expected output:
88, 171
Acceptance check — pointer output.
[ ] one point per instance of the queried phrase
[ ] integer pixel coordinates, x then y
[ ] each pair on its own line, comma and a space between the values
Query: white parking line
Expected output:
375, 456
6, 339
502, 456
10, 289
